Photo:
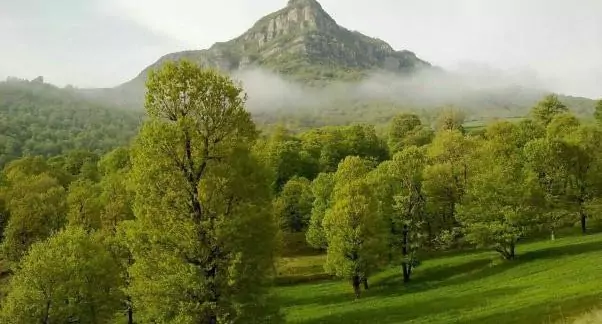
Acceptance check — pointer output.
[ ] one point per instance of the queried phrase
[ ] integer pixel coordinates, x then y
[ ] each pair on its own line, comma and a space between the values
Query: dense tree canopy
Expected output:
40, 119
187, 219
70, 278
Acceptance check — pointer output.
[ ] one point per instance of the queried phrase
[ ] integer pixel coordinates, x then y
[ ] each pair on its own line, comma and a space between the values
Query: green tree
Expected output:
69, 278
407, 130
116, 208
204, 232
356, 236
408, 219
548, 159
501, 198
330, 145
115, 202
293, 206
321, 188
598, 111
114, 161
450, 119
398, 187
545, 110
36, 205
78, 164
283, 153
562, 125
83, 204
444, 183
585, 166
354, 231
350, 168
33, 166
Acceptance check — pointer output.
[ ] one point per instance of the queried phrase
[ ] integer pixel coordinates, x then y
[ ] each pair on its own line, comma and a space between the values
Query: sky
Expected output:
103, 43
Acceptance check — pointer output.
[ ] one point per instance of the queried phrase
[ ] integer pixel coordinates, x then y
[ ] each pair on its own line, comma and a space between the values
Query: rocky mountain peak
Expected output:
304, 42
304, 3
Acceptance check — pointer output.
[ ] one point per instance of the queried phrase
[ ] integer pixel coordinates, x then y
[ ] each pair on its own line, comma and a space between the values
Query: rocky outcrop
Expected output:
302, 40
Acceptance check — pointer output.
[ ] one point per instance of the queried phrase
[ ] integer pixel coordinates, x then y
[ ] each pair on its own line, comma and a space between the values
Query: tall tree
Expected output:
410, 206
501, 199
357, 237
356, 234
585, 166
548, 159
547, 108
321, 188
204, 230
445, 180
398, 187
69, 278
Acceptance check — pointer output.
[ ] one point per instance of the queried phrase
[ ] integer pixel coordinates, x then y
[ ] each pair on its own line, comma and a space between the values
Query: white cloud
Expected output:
196, 23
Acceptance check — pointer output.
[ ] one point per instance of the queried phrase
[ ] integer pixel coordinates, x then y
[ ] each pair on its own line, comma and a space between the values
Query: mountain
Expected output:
312, 66
303, 42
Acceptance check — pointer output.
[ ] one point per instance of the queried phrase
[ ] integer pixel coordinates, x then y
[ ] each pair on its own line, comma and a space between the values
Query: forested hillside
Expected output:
193, 221
40, 119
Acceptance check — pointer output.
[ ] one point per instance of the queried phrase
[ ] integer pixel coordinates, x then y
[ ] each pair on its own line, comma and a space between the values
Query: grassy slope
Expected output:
550, 281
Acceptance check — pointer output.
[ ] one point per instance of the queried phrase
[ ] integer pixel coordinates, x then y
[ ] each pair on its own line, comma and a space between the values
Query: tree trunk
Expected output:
46, 318
552, 235
507, 252
406, 269
130, 311
365, 281
356, 286
583, 219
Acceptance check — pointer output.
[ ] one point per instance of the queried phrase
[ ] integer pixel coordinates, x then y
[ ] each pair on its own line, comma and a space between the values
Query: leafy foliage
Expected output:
68, 278
202, 203
293, 206
40, 119
547, 108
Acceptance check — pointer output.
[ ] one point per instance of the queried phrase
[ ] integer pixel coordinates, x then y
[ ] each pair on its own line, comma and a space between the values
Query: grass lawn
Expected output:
549, 282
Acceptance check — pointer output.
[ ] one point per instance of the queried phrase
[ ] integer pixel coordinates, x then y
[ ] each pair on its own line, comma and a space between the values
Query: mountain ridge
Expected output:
304, 42
303, 47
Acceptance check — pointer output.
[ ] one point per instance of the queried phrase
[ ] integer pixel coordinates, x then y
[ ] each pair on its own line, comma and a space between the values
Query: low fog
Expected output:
469, 87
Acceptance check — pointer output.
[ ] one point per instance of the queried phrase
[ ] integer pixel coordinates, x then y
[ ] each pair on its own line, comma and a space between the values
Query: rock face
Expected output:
304, 42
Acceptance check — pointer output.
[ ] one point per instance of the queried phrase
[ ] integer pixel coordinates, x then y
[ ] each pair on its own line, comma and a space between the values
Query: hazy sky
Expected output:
99, 43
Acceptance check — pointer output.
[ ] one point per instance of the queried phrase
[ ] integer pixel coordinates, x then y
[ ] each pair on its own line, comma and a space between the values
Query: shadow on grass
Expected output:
544, 312
387, 314
559, 251
444, 276
430, 277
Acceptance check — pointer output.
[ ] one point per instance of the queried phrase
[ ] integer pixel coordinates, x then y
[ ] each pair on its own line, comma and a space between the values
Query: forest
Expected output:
37, 118
188, 222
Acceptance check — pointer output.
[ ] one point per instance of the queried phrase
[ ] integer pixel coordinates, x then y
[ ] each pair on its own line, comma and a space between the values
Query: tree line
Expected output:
185, 224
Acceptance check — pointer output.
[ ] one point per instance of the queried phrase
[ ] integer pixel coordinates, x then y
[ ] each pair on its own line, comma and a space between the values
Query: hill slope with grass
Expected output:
549, 282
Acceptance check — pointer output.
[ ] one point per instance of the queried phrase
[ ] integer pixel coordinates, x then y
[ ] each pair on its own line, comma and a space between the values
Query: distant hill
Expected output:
41, 119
